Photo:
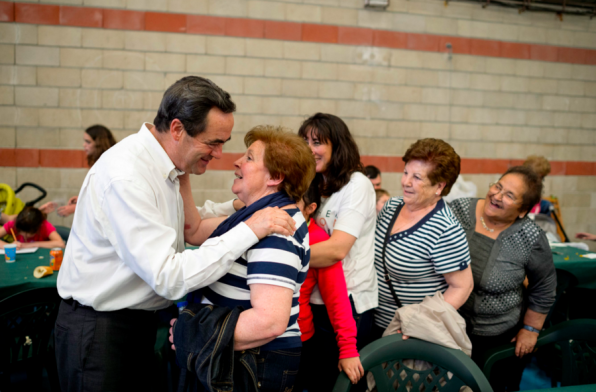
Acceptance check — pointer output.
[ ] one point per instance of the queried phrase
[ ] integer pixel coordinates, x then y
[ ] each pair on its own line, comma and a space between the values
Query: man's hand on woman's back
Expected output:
271, 220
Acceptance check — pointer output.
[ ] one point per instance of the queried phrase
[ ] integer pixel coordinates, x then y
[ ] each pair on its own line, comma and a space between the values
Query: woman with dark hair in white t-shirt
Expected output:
348, 215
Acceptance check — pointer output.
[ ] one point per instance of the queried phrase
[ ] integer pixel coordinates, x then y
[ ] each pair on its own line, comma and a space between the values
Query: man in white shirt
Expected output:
125, 257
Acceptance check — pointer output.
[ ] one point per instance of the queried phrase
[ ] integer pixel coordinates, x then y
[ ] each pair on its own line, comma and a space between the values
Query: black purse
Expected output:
387, 235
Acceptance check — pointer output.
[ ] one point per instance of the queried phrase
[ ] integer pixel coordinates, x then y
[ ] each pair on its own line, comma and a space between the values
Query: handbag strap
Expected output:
387, 235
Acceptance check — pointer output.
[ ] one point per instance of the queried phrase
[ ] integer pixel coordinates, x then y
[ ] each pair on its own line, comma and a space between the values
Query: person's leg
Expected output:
71, 339
98, 351
277, 369
324, 362
307, 356
364, 325
505, 374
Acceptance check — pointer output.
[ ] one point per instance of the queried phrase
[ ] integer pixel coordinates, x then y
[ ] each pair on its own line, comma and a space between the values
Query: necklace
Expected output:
485, 226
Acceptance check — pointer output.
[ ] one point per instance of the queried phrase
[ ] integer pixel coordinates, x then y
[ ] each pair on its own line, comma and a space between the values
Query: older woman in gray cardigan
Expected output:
505, 247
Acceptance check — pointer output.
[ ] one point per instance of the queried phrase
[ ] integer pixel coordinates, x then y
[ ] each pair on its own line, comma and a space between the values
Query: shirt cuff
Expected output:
215, 210
240, 238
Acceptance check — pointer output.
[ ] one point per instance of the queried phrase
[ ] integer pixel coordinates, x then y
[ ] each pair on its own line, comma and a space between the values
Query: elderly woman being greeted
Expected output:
420, 247
275, 171
506, 246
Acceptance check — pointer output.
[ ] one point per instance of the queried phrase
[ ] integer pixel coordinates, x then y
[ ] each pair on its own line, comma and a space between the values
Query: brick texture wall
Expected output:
516, 84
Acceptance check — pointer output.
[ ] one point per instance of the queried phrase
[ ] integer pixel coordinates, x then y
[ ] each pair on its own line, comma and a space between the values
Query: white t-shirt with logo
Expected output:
352, 210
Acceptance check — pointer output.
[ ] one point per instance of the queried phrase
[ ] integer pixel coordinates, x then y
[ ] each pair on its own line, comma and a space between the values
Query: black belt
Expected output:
76, 304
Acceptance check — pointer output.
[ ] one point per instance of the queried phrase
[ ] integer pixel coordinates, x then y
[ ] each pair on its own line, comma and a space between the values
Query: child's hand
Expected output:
352, 367
19, 245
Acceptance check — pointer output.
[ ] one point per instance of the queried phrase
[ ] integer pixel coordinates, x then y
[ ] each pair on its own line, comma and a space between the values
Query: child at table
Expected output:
332, 285
32, 230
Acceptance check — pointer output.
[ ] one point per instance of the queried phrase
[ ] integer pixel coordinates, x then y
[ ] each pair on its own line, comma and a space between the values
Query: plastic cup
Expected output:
10, 253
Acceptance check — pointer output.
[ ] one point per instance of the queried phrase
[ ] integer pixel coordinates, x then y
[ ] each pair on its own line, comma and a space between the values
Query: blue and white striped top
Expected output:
275, 260
417, 257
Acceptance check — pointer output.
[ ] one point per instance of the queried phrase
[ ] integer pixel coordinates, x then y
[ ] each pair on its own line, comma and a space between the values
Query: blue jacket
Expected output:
204, 340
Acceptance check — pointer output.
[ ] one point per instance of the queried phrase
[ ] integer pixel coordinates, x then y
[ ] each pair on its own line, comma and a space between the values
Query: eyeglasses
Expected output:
508, 196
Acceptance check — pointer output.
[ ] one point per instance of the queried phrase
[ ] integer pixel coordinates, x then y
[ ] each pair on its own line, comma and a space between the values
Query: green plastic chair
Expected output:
576, 340
384, 359
559, 311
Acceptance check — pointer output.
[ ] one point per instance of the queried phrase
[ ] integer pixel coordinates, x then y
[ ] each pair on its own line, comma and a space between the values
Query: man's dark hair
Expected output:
372, 171
189, 100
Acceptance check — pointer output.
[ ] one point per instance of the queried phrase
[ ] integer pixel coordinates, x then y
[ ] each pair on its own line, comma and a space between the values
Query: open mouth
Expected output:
238, 176
495, 204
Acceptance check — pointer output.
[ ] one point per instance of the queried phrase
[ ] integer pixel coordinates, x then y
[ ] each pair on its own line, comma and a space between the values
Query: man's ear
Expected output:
176, 129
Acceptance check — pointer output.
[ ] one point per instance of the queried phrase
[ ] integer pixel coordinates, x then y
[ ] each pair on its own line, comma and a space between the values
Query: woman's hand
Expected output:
352, 367
171, 338
48, 207
525, 342
586, 236
65, 211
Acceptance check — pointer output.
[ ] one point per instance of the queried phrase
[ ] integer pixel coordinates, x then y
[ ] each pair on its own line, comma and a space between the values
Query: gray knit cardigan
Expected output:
521, 249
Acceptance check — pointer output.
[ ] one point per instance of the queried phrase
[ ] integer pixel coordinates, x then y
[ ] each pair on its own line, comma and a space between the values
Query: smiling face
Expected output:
88, 144
253, 180
194, 153
504, 198
321, 151
416, 185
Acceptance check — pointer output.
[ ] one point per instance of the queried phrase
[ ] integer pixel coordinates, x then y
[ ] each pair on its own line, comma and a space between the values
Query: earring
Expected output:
438, 193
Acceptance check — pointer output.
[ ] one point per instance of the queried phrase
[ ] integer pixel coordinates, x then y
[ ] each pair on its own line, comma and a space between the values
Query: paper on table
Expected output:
588, 256
21, 251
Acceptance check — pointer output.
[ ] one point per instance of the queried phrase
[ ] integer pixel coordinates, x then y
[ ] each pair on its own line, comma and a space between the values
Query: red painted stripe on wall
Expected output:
6, 12
53, 158
309, 32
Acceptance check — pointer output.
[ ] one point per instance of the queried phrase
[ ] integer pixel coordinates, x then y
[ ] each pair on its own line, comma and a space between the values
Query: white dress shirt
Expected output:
126, 246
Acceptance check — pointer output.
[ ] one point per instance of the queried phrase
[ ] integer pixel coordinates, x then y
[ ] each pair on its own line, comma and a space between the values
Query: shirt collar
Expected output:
160, 157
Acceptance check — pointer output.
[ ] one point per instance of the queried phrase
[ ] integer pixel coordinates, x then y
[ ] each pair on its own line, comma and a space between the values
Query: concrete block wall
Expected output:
515, 84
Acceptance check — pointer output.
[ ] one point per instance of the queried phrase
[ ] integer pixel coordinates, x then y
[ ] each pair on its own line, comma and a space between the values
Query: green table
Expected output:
583, 269
576, 388
18, 276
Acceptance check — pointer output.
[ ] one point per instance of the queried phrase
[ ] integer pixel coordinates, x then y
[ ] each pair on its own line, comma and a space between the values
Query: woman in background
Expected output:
425, 246
347, 213
97, 139
506, 246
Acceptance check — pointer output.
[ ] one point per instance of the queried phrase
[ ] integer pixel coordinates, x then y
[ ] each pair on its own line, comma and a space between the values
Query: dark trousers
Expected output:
104, 351
320, 354
505, 374
277, 369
